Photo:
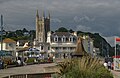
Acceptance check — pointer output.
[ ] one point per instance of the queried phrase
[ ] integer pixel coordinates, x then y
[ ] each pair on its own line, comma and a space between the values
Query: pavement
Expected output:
116, 74
38, 68
28, 69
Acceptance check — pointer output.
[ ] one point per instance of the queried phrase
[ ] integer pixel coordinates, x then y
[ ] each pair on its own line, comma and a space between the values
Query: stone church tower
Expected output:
42, 27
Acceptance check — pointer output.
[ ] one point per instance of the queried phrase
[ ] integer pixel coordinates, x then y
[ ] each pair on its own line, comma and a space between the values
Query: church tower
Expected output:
42, 27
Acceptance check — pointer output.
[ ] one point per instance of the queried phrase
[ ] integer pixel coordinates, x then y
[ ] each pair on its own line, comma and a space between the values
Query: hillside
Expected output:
99, 42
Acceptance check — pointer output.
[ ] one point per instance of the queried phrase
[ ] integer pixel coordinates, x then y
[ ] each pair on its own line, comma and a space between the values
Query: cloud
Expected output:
13, 27
55, 20
82, 28
84, 18
88, 15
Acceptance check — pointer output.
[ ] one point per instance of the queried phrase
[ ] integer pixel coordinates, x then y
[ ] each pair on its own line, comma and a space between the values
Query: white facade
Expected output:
62, 43
9, 45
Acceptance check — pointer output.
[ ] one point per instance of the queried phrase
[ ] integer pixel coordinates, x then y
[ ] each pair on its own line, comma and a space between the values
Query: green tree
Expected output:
71, 31
11, 34
19, 33
62, 29
32, 34
24, 30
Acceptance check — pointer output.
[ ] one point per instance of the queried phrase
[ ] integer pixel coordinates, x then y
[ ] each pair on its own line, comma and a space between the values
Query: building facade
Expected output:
9, 45
62, 44
42, 27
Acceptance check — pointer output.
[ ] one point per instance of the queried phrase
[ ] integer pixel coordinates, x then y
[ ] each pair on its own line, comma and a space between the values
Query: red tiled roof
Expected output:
8, 40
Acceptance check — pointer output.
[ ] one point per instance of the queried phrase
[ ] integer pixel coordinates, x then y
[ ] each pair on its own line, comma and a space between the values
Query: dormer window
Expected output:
71, 38
63, 39
40, 39
56, 38
41, 47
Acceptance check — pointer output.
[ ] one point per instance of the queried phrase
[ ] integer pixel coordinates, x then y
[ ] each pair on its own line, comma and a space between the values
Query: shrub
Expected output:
85, 67
30, 60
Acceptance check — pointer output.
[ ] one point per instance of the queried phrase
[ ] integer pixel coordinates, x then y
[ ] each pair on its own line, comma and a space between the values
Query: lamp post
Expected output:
1, 32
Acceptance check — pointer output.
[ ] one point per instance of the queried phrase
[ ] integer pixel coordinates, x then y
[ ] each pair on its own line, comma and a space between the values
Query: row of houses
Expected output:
59, 43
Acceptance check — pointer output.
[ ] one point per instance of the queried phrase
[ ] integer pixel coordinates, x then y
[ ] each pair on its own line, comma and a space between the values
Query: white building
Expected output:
9, 45
62, 43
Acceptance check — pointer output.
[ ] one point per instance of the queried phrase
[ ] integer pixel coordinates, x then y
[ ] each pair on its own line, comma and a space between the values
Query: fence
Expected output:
38, 75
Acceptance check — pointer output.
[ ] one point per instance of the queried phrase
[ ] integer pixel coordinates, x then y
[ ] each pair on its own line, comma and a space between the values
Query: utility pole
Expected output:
89, 44
108, 50
102, 49
1, 32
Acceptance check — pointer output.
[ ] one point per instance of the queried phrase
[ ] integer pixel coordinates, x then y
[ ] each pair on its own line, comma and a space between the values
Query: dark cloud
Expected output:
88, 15
2, 1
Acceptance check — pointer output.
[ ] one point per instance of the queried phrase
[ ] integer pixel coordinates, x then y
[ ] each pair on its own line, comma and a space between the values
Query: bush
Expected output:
85, 67
30, 60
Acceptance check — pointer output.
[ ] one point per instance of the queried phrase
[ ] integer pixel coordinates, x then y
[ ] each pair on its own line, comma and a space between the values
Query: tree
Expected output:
24, 30
71, 31
11, 34
62, 29
32, 34
19, 33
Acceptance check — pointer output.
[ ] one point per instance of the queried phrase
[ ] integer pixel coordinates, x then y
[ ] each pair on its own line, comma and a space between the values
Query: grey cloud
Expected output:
55, 20
3, 1
12, 27
79, 19
82, 28
96, 15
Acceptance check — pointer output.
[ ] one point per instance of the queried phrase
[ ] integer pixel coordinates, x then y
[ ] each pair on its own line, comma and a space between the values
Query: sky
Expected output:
96, 16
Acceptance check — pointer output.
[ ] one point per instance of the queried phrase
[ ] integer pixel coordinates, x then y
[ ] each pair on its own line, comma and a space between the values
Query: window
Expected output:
56, 48
56, 38
10, 45
63, 39
39, 39
59, 39
71, 48
48, 48
41, 47
71, 39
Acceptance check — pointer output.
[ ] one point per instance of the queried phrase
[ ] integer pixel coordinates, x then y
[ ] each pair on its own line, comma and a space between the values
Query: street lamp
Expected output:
1, 32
